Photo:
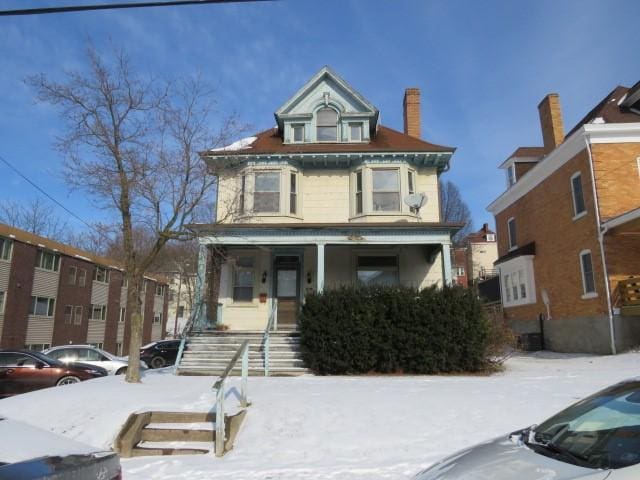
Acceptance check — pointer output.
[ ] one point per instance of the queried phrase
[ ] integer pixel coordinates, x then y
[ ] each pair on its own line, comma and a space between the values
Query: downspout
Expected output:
601, 233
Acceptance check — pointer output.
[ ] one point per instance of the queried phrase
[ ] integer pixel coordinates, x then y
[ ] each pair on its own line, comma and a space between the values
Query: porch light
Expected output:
264, 277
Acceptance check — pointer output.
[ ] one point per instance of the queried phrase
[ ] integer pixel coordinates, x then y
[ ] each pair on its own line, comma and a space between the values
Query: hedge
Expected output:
360, 329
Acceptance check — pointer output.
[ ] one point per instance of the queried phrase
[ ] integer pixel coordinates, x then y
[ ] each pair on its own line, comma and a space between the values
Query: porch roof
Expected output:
379, 233
627, 223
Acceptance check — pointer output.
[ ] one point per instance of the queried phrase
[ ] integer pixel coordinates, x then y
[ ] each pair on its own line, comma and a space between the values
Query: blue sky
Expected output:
482, 68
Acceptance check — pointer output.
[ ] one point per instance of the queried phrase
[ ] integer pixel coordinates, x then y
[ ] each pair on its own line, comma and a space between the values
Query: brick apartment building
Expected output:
459, 265
53, 294
568, 228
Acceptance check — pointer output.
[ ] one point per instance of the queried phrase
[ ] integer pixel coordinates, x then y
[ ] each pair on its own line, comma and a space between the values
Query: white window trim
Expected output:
356, 124
278, 213
293, 132
398, 171
511, 268
587, 295
491, 237
7, 246
515, 246
511, 173
232, 272
577, 215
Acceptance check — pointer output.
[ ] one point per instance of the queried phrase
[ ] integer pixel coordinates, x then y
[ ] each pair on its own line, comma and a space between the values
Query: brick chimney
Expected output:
411, 107
551, 122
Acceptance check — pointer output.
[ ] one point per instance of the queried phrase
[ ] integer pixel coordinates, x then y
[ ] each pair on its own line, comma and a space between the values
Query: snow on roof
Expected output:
241, 144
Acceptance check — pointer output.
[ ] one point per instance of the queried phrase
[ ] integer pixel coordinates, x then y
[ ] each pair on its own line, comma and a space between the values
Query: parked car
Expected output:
30, 453
594, 439
91, 355
160, 354
22, 371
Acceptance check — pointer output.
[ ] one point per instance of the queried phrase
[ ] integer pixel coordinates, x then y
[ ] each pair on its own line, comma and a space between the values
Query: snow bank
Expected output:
242, 144
328, 427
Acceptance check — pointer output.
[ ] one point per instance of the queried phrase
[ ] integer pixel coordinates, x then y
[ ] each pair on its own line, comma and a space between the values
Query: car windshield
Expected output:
601, 431
47, 359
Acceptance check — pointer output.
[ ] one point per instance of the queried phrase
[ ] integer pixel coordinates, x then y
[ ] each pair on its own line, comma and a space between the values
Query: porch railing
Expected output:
266, 339
218, 386
186, 331
629, 292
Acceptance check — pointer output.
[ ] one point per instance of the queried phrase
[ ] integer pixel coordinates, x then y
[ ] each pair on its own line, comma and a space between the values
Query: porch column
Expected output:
199, 293
320, 269
446, 264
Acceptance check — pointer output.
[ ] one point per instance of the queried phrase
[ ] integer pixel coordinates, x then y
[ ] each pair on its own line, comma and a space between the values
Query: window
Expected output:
578, 196
293, 194
122, 315
507, 287
411, 187
125, 282
386, 190
181, 311
119, 349
5, 248
68, 314
47, 260
491, 237
1, 302
78, 314
71, 275
157, 318
458, 272
514, 287
92, 355
511, 175
355, 131
35, 347
98, 312
82, 277
378, 270
511, 227
327, 125
517, 282
243, 280
298, 133
42, 306
101, 274
159, 290
588, 278
266, 197
359, 192
243, 189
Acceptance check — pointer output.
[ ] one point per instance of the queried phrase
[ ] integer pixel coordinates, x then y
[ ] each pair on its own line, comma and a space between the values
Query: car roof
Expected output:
58, 347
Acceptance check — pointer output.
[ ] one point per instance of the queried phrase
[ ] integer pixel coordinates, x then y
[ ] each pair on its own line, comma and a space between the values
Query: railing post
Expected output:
267, 341
220, 433
179, 356
245, 374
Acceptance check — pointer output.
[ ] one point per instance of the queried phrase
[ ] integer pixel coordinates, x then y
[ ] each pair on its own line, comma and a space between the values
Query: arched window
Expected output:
327, 125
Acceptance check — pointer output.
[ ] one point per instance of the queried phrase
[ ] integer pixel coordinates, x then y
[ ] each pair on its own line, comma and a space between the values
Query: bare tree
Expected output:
454, 209
132, 143
37, 217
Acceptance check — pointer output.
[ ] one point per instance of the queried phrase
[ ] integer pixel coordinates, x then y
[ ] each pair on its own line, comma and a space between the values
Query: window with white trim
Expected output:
588, 277
98, 312
378, 270
48, 260
122, 315
2, 297
577, 194
293, 193
511, 175
78, 315
355, 132
157, 318
458, 272
37, 347
298, 132
411, 187
243, 192
491, 237
68, 314
101, 274
42, 306
517, 281
358, 203
243, 279
82, 277
6, 246
386, 189
266, 196
511, 228
159, 290
327, 125
72, 273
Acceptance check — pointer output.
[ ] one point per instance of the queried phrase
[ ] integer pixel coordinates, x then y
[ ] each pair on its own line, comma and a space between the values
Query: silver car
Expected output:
91, 355
594, 439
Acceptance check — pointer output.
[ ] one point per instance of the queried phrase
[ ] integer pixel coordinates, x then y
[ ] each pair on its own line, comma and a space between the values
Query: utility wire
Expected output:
115, 6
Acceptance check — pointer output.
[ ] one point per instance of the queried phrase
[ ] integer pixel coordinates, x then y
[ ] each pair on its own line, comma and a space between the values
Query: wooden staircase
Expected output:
209, 354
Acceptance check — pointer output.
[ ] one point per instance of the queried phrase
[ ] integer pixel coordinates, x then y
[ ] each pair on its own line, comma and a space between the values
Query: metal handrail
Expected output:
266, 339
219, 387
186, 330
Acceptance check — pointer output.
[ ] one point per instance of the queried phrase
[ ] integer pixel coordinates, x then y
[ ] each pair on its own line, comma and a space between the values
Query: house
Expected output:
568, 228
481, 251
327, 197
54, 294
459, 262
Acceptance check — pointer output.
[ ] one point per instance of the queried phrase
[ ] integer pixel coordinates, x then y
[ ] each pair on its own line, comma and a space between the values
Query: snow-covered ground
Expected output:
328, 427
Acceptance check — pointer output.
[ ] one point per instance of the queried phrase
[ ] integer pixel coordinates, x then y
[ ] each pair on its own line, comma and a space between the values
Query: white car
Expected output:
595, 439
92, 356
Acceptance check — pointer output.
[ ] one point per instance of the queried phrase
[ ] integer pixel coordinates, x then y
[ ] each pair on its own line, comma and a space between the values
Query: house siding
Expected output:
45, 283
39, 330
113, 310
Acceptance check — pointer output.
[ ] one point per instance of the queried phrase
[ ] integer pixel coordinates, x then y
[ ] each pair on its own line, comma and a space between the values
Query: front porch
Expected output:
264, 271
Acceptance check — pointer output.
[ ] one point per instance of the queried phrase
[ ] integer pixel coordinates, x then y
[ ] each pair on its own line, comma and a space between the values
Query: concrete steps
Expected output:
209, 354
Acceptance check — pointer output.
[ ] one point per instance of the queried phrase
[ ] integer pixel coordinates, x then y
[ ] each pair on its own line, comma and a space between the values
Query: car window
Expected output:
16, 360
64, 354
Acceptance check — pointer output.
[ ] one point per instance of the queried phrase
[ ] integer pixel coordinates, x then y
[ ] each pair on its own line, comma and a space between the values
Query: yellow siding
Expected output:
325, 196
482, 255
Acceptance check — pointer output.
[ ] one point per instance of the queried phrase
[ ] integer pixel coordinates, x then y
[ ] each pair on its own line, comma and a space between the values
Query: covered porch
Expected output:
256, 272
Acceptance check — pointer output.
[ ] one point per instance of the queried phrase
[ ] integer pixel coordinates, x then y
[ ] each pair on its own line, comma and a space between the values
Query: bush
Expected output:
354, 330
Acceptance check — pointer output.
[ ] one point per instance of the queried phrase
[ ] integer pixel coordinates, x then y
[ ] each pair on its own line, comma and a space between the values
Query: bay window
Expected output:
266, 196
386, 190
517, 281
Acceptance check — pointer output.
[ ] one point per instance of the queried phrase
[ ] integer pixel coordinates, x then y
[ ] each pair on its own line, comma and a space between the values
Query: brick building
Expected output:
459, 265
568, 228
53, 294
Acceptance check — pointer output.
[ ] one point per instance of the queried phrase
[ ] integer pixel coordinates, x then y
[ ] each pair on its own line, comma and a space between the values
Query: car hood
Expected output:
505, 459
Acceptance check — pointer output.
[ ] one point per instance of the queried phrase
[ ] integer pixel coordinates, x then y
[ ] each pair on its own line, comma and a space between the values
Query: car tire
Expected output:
121, 371
68, 380
158, 362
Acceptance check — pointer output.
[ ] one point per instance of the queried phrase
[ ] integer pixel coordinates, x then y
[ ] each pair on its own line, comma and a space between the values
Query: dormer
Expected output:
520, 162
327, 110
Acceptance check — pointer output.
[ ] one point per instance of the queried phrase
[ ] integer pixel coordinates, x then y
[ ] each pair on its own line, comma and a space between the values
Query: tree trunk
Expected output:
134, 305
216, 259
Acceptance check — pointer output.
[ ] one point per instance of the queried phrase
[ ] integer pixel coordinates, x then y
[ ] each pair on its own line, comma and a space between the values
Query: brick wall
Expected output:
411, 106
148, 311
116, 279
74, 295
551, 122
523, 167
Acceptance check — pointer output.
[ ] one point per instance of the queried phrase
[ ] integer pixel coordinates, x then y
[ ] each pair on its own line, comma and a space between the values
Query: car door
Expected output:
94, 357
25, 373
65, 355
8, 374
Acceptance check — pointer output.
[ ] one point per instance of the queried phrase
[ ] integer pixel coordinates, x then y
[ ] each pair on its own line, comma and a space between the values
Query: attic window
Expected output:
327, 125
298, 133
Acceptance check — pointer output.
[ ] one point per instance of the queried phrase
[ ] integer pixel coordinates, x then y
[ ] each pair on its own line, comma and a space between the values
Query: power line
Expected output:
116, 6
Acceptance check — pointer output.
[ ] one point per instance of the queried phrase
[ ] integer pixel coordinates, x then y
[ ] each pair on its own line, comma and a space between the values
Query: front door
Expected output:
287, 271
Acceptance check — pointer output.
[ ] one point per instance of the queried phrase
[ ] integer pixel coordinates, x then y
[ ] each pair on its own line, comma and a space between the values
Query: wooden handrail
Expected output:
629, 291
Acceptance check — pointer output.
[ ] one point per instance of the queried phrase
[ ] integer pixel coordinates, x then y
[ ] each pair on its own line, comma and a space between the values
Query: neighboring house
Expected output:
568, 228
53, 294
319, 201
459, 263
481, 250
181, 291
